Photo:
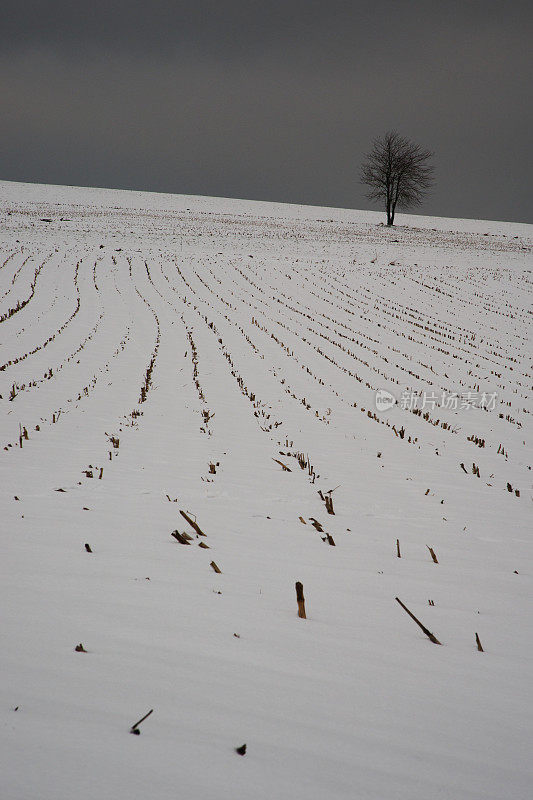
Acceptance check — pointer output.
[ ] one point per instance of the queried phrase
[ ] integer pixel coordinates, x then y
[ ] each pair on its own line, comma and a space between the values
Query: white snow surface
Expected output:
144, 337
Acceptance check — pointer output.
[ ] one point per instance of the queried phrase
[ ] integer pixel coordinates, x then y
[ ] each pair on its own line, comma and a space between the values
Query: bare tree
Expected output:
397, 171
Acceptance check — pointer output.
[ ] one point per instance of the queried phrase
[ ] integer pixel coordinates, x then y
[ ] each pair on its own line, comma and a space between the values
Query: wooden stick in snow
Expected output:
398, 548
180, 537
192, 523
300, 600
428, 633
479, 645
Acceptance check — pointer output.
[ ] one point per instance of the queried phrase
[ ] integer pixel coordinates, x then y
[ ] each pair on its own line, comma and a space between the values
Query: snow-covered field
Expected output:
166, 353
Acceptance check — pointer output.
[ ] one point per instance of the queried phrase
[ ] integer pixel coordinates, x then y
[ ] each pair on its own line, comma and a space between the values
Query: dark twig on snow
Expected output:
135, 728
428, 633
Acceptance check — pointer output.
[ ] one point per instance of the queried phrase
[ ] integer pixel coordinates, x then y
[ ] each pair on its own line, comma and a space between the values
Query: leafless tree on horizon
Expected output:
397, 171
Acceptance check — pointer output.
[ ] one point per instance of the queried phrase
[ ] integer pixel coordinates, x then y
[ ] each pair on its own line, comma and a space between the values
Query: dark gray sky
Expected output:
272, 100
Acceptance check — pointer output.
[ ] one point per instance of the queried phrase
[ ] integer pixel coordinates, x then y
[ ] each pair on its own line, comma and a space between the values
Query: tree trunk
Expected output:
390, 215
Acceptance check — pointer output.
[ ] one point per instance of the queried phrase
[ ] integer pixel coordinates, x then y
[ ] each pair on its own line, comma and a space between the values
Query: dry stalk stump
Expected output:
300, 599
192, 523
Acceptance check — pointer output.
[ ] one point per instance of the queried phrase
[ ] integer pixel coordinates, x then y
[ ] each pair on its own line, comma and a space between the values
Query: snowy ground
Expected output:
146, 337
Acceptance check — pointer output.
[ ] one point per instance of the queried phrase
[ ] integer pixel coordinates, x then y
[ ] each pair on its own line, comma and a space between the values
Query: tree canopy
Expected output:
397, 171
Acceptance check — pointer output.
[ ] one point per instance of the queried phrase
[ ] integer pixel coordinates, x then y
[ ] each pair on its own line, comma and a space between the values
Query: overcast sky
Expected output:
272, 100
